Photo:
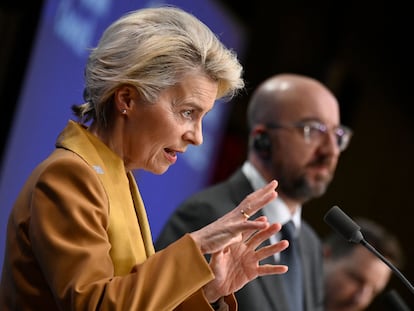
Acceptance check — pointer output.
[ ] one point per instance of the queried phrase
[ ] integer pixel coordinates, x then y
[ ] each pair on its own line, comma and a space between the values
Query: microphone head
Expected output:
343, 224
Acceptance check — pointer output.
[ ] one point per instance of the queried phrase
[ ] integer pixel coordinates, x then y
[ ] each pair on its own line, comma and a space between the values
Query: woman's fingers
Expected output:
235, 226
269, 250
247, 234
260, 236
271, 269
256, 200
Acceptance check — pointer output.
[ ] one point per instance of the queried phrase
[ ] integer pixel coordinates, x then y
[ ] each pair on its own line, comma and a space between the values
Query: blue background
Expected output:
54, 81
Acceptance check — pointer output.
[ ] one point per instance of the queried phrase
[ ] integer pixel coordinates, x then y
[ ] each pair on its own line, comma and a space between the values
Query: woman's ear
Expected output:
124, 97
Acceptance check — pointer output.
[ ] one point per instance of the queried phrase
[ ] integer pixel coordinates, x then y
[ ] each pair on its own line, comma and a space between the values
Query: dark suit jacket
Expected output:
264, 293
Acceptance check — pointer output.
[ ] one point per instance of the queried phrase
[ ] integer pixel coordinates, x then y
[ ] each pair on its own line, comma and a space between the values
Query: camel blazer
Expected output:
78, 239
264, 293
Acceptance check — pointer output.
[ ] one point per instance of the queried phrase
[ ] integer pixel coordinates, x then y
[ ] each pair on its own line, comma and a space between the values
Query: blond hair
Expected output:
153, 49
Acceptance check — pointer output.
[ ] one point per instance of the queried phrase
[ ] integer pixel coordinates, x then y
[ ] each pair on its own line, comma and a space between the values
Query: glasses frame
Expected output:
342, 133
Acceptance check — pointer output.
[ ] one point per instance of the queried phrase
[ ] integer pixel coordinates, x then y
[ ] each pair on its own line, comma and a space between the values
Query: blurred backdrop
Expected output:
362, 51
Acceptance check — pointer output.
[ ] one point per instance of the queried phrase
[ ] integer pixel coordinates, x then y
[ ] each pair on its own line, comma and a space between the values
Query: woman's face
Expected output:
154, 133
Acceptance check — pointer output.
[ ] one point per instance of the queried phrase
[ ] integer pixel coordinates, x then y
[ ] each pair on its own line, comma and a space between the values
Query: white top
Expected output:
275, 211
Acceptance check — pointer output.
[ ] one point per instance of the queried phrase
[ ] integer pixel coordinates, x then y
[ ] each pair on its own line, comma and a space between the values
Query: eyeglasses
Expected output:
314, 131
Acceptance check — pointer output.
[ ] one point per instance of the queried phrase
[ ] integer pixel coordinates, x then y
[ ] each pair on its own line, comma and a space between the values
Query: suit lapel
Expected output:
239, 187
271, 285
306, 267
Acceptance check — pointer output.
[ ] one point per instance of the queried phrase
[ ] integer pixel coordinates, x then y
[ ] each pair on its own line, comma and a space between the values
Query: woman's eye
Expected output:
187, 113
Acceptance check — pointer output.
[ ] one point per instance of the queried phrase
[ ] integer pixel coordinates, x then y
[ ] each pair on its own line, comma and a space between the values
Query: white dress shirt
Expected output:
275, 211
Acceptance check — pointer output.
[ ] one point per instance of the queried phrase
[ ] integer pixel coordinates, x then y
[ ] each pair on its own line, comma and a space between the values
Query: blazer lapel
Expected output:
306, 268
272, 284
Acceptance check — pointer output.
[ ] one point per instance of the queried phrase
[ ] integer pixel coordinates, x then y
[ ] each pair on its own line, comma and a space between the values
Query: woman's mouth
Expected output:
171, 155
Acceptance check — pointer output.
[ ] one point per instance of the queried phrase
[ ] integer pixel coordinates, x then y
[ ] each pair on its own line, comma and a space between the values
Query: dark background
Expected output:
361, 50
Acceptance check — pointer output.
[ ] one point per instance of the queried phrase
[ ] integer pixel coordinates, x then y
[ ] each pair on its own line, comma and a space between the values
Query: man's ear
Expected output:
261, 142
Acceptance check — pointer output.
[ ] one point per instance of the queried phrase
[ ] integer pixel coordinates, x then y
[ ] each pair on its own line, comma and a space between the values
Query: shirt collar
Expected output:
277, 210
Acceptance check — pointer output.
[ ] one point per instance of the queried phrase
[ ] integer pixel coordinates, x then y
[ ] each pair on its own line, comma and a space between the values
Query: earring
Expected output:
123, 111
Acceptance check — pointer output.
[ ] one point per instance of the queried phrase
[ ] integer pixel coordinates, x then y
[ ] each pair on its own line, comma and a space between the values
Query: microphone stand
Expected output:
388, 263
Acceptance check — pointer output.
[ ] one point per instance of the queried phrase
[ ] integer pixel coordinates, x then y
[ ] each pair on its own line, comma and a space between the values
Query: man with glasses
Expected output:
295, 137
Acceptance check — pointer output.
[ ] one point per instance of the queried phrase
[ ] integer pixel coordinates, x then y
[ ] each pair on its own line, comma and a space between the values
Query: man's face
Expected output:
305, 167
353, 281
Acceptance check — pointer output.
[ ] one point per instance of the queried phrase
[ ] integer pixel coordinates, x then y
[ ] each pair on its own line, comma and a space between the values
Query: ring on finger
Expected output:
246, 216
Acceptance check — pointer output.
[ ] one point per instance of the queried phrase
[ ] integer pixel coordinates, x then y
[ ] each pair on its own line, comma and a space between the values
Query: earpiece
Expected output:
262, 144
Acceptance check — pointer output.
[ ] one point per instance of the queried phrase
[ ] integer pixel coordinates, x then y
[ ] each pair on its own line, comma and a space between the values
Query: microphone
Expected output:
342, 224
350, 231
